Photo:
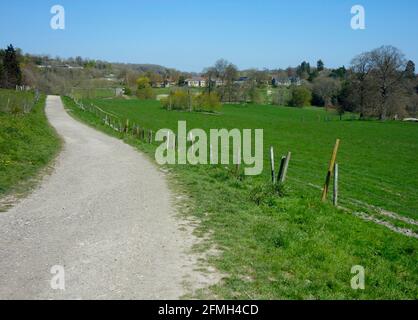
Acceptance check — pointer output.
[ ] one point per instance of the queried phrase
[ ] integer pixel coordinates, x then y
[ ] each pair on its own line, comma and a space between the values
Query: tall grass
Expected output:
16, 102
27, 142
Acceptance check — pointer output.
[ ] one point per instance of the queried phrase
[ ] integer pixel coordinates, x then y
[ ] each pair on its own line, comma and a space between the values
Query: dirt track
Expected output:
106, 215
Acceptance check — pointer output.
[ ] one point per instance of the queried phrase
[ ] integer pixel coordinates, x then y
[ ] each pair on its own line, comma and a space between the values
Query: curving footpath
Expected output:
106, 215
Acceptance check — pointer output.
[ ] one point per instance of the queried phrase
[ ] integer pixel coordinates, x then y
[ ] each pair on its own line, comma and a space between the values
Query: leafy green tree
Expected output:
340, 73
144, 90
209, 102
300, 96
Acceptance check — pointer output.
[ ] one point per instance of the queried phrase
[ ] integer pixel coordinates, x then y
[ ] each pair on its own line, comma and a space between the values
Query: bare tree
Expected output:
231, 73
388, 67
360, 84
326, 89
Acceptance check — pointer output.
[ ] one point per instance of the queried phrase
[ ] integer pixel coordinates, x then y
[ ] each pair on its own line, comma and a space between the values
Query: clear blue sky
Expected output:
190, 35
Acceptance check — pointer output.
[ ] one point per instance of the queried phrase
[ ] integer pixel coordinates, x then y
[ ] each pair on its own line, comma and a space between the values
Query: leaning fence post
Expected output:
285, 167
280, 174
330, 170
335, 195
273, 175
127, 126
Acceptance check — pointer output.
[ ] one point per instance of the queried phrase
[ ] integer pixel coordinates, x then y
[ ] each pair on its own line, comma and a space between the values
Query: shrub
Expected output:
207, 102
300, 97
181, 99
266, 193
144, 88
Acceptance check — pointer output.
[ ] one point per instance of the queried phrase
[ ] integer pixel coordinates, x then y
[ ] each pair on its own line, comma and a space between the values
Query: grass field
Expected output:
377, 160
27, 144
295, 246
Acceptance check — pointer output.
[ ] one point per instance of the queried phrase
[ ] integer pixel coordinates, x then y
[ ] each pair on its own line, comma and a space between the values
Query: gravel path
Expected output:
106, 215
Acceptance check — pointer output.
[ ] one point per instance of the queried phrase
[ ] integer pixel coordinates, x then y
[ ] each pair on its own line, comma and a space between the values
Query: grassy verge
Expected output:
274, 247
27, 144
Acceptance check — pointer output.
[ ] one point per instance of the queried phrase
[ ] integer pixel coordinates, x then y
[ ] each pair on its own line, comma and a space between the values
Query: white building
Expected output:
196, 82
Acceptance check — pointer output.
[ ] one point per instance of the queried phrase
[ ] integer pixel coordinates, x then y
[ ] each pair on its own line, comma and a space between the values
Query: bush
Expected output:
144, 88
177, 100
127, 91
181, 99
266, 193
209, 102
300, 97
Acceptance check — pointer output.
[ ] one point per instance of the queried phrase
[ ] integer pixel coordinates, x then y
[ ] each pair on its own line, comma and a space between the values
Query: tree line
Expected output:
380, 83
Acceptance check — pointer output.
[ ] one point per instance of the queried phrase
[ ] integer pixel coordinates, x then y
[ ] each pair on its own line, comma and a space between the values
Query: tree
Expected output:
304, 70
211, 74
144, 88
11, 72
388, 64
340, 73
231, 73
220, 67
320, 66
326, 89
182, 80
209, 102
282, 96
410, 70
360, 88
300, 96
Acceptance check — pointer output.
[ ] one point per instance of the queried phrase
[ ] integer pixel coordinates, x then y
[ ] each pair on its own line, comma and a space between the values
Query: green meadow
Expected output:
377, 160
287, 244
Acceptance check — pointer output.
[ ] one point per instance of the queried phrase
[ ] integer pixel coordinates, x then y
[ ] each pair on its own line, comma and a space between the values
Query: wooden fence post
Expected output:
285, 167
336, 177
238, 161
280, 174
273, 175
330, 170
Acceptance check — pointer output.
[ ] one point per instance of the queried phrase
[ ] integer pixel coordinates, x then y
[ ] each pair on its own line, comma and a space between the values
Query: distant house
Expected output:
110, 77
276, 82
196, 82
285, 82
62, 66
218, 82
169, 83
242, 80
